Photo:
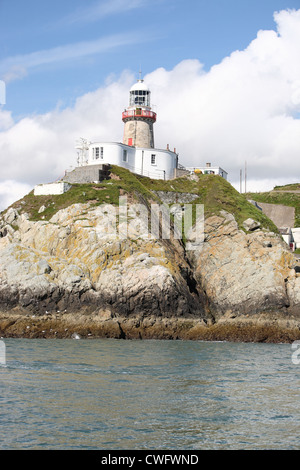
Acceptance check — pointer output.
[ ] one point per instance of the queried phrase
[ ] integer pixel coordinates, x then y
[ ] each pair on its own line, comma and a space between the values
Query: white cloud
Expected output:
2, 92
11, 191
245, 108
6, 120
38, 149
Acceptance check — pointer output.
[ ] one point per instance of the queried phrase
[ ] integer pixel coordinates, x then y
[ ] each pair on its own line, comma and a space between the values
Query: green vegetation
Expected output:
106, 192
213, 191
288, 187
79, 193
216, 194
281, 195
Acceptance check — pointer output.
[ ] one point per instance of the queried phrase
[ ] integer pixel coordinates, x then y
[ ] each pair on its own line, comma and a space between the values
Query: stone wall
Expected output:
87, 174
141, 133
180, 172
282, 216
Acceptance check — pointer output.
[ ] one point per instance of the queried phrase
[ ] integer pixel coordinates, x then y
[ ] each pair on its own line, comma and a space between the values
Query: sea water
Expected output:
150, 394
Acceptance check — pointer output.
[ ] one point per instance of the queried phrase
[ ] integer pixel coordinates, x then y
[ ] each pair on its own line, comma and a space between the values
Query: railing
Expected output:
139, 113
158, 174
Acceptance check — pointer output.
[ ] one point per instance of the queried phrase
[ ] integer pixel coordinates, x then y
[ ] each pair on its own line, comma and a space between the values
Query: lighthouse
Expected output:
138, 117
136, 152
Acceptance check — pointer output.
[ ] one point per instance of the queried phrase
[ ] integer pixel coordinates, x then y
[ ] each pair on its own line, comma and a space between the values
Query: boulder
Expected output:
251, 225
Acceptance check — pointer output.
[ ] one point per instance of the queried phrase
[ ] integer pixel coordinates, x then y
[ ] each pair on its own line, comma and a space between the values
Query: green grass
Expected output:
106, 192
213, 191
216, 194
284, 198
288, 187
79, 193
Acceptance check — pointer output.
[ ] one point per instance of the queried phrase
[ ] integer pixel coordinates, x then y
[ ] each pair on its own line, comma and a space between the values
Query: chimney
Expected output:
208, 165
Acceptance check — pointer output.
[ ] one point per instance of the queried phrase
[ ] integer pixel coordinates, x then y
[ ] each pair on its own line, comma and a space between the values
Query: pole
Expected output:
241, 173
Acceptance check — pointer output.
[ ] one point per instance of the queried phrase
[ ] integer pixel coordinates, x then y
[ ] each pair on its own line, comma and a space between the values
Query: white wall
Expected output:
163, 168
296, 236
51, 188
138, 159
287, 238
112, 154
216, 170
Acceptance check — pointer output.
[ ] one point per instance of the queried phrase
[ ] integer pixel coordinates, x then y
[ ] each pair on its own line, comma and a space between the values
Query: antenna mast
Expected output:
82, 145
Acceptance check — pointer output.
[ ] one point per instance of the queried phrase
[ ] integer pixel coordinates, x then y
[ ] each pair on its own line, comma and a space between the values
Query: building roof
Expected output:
140, 85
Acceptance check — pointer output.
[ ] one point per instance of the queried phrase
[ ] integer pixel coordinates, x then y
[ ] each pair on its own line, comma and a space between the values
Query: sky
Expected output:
224, 78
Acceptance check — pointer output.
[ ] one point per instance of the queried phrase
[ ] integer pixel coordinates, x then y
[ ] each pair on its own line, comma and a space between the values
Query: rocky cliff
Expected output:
72, 272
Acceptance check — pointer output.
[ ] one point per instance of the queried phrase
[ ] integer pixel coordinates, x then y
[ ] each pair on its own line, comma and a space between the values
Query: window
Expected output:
97, 153
153, 159
140, 97
124, 155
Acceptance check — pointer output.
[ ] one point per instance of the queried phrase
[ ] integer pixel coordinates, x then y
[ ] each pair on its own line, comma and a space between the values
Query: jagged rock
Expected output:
10, 216
79, 261
239, 272
44, 267
251, 225
293, 291
133, 285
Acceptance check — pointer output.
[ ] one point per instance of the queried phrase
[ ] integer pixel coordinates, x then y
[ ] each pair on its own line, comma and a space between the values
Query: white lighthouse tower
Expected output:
139, 118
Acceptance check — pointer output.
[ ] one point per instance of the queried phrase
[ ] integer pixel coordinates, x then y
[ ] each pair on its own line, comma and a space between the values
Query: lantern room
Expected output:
139, 95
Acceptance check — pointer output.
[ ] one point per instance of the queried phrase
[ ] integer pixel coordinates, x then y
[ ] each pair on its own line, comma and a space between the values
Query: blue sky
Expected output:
224, 77
51, 52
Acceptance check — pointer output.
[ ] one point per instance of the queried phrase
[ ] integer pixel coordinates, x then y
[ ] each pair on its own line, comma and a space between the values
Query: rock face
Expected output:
77, 259
244, 273
76, 272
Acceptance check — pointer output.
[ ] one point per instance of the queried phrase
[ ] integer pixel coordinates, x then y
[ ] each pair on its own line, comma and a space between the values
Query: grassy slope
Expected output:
281, 195
216, 194
106, 192
213, 191
288, 187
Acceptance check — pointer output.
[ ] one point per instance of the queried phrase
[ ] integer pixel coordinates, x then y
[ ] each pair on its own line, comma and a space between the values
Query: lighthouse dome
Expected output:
139, 94
139, 86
